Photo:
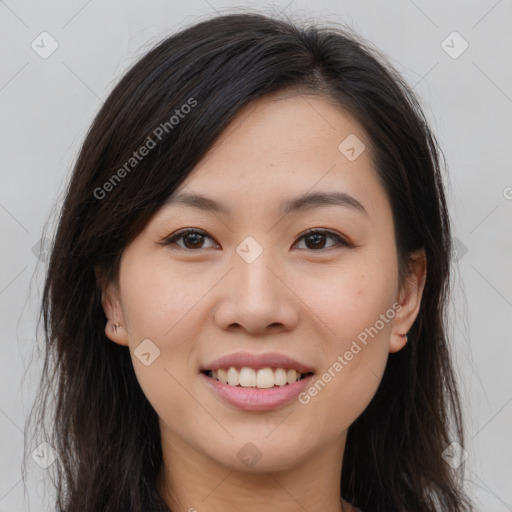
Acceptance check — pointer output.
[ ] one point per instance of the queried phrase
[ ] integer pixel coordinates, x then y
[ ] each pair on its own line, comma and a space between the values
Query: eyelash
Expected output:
194, 231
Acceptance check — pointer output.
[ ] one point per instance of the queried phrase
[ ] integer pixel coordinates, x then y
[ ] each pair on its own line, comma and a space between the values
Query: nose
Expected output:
258, 297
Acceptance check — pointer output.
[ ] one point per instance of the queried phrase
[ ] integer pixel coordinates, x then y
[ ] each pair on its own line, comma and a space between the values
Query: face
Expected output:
312, 280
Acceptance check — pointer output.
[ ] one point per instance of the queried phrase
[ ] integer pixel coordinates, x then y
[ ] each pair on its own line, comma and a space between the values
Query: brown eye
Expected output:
192, 239
316, 239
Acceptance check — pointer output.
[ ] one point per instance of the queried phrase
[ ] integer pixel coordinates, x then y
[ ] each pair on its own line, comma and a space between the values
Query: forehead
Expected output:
283, 146
285, 125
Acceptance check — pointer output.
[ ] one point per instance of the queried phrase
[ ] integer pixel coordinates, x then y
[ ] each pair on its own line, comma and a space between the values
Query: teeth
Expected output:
222, 375
291, 376
280, 377
265, 378
249, 377
233, 377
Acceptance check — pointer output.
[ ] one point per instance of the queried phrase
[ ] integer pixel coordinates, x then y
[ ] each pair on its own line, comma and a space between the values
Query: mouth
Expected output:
259, 378
256, 389
257, 382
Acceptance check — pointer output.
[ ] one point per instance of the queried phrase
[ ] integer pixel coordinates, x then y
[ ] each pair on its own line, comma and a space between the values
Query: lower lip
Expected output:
254, 399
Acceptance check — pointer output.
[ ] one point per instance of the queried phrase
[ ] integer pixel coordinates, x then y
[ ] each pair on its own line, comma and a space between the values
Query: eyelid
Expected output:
312, 231
176, 235
322, 231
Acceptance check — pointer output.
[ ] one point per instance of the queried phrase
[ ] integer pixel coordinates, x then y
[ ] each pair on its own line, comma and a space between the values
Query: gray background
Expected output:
48, 104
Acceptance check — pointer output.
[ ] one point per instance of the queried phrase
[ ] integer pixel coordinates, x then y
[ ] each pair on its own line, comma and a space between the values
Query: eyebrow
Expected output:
303, 202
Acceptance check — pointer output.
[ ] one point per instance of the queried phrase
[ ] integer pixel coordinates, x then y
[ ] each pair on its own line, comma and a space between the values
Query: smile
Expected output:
253, 398
262, 378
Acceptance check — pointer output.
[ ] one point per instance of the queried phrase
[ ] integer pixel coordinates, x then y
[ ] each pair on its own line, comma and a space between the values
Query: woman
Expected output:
244, 306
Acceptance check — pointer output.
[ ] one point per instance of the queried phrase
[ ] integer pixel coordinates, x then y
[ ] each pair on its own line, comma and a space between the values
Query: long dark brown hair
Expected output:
102, 427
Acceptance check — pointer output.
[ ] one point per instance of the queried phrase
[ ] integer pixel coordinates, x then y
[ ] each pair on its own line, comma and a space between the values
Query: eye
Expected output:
193, 238
316, 238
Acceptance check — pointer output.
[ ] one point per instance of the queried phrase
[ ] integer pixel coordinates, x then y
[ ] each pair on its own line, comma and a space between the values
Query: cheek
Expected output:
347, 384
161, 302
355, 307
351, 300
161, 322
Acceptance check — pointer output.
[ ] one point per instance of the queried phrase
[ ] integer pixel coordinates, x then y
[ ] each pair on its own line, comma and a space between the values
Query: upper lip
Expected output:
257, 361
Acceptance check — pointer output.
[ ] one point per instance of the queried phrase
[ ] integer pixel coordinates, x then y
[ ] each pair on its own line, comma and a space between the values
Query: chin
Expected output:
258, 454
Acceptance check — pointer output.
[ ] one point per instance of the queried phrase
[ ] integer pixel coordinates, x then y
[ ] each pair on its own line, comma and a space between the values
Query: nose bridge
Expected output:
256, 298
256, 283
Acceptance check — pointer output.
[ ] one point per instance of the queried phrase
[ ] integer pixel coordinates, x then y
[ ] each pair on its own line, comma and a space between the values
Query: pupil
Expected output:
316, 237
193, 235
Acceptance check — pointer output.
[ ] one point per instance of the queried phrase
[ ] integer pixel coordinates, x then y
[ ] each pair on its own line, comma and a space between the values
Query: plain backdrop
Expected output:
464, 82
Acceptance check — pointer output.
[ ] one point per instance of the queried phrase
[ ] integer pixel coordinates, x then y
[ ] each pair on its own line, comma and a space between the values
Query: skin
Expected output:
202, 301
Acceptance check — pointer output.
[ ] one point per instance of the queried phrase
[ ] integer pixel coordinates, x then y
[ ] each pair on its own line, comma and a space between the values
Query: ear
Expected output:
410, 299
110, 300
